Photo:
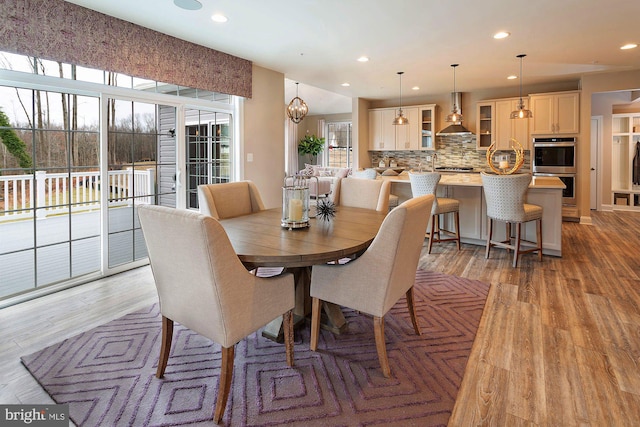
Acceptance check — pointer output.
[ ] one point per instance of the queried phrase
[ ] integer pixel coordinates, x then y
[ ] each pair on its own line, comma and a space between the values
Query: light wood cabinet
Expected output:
408, 136
555, 113
382, 135
427, 117
494, 124
417, 135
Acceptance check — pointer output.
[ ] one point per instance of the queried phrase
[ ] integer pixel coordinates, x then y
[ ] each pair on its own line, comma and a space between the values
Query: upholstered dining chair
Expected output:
505, 197
427, 183
362, 193
202, 284
229, 199
373, 174
375, 281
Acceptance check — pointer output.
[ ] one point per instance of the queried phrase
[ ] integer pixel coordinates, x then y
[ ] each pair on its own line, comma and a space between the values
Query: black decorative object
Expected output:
325, 210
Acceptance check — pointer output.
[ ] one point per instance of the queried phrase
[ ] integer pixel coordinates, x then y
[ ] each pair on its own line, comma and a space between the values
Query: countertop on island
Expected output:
474, 180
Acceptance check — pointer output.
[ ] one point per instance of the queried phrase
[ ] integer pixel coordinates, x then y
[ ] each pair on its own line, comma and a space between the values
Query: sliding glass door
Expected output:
49, 206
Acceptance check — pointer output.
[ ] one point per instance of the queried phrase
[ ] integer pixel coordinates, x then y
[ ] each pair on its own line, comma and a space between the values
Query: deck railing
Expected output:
53, 193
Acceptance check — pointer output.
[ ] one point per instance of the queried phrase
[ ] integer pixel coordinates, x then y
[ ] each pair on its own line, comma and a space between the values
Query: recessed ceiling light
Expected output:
501, 35
629, 46
218, 17
345, 84
363, 59
415, 88
188, 4
512, 77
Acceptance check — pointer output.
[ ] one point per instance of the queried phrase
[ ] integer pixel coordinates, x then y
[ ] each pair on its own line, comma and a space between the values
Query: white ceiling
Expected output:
317, 42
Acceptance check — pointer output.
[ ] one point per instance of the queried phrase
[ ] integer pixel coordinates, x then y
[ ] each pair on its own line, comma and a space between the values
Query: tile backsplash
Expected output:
451, 151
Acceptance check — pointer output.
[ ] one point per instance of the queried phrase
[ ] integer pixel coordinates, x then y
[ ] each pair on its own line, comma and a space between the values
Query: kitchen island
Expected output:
467, 188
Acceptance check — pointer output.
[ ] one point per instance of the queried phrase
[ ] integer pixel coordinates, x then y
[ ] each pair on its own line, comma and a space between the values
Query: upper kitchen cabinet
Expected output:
427, 117
555, 113
382, 135
408, 136
494, 124
385, 136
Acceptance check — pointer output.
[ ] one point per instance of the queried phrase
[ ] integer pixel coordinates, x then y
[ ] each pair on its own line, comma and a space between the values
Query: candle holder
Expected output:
295, 202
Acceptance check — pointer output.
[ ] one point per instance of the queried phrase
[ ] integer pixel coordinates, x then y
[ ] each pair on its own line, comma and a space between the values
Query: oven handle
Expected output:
563, 175
553, 144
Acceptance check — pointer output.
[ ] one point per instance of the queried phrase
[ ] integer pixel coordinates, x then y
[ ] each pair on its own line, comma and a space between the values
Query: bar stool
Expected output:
426, 183
505, 196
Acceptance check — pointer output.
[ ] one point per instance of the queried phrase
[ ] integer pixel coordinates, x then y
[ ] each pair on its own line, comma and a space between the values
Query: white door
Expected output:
596, 138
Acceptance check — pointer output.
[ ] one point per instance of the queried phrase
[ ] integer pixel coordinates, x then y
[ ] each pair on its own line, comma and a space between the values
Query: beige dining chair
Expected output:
375, 281
427, 183
202, 285
229, 199
505, 196
362, 193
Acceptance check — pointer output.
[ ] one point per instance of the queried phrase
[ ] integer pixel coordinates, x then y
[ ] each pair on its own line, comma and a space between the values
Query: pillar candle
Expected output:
295, 210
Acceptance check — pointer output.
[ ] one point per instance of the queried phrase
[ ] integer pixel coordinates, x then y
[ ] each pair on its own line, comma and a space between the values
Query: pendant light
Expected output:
521, 112
297, 108
455, 116
400, 119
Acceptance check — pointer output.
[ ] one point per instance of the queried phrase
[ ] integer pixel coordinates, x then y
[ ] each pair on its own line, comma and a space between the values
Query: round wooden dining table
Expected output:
260, 241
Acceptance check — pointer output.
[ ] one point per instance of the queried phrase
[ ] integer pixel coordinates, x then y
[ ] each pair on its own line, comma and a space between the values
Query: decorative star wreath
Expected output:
519, 158
325, 210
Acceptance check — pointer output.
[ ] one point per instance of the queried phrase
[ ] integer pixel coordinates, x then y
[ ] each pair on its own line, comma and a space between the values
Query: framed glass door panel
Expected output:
208, 150
141, 170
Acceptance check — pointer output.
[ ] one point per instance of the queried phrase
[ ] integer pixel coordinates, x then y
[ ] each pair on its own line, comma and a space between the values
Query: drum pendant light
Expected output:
297, 108
521, 112
400, 119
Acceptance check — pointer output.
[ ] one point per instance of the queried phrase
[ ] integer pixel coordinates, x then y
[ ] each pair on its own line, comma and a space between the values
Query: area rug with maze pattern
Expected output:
107, 374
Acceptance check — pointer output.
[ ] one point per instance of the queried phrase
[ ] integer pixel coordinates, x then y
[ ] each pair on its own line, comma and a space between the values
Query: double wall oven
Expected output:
556, 156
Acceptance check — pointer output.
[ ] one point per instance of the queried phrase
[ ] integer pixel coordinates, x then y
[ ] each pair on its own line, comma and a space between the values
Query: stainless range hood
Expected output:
455, 128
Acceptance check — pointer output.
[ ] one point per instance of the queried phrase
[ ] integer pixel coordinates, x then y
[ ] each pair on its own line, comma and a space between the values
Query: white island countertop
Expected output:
474, 180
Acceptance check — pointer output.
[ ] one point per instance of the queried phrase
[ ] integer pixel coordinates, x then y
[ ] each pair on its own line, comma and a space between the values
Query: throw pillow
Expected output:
389, 172
308, 170
343, 172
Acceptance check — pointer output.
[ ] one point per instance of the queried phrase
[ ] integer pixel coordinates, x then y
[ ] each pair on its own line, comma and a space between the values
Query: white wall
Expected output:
263, 129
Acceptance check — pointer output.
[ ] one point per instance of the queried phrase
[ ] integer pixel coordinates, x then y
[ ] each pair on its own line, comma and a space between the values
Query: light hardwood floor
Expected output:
558, 343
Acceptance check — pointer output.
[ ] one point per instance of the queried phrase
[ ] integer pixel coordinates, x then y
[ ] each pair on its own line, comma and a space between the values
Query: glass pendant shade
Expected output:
297, 108
400, 118
521, 112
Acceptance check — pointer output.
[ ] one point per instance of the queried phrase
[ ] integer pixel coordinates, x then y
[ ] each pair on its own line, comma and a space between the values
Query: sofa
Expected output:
327, 176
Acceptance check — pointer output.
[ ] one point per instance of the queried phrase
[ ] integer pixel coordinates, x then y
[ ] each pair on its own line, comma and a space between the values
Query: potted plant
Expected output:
311, 146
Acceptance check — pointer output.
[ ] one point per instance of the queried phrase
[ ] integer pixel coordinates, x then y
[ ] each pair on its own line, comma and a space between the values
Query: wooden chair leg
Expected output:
516, 252
165, 348
287, 326
489, 236
316, 305
539, 237
224, 384
378, 329
412, 311
457, 219
434, 218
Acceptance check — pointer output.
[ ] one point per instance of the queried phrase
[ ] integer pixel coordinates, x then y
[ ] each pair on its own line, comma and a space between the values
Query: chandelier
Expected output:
297, 108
